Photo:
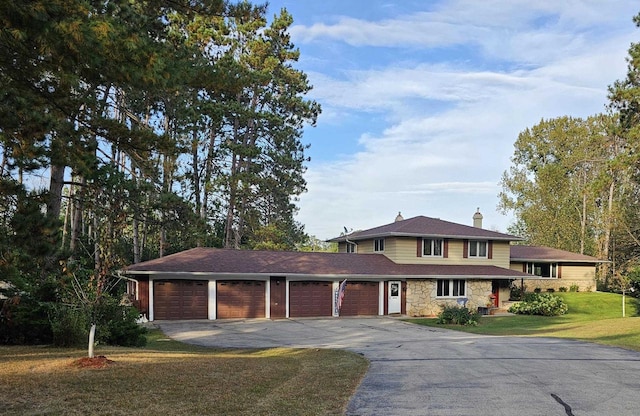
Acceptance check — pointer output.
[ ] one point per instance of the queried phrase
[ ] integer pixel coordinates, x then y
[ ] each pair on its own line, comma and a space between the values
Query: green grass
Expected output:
168, 377
593, 316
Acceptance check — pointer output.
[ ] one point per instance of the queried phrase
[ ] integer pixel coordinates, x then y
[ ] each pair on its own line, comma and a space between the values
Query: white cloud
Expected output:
523, 31
452, 125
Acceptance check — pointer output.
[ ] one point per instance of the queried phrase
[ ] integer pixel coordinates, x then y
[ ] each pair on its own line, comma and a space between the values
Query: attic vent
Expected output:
399, 217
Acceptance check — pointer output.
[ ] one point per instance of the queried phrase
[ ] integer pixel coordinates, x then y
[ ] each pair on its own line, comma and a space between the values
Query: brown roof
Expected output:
426, 227
242, 262
533, 253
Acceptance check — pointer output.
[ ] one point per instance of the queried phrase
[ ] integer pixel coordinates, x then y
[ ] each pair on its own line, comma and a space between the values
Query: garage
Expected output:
310, 299
360, 298
240, 299
180, 299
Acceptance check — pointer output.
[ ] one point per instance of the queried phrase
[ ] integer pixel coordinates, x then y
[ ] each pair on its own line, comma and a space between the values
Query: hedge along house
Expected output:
412, 267
555, 269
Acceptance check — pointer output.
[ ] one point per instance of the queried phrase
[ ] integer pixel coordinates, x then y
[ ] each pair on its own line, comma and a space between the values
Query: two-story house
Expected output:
410, 266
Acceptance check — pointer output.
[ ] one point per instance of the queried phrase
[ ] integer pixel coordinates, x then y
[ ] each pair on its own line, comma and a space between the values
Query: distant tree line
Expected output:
574, 183
131, 130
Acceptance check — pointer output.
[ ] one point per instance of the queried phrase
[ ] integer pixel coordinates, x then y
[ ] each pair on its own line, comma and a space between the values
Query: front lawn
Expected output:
592, 316
168, 377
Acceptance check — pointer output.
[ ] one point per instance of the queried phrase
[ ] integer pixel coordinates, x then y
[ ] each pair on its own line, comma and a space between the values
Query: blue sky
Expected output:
423, 100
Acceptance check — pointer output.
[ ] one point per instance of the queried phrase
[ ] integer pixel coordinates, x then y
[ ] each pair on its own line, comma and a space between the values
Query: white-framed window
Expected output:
431, 247
378, 244
478, 249
451, 288
351, 247
543, 270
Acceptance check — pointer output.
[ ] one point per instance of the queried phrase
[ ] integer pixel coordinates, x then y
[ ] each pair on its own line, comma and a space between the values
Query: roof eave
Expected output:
398, 234
551, 260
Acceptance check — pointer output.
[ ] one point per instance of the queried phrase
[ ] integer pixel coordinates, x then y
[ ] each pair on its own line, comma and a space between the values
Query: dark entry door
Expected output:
278, 297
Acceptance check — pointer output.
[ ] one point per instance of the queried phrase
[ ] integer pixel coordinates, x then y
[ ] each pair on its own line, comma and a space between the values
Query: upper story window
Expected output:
545, 270
478, 249
431, 247
378, 244
351, 247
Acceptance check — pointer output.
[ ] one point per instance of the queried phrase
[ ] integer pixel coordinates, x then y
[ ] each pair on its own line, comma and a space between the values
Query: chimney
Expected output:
477, 219
399, 217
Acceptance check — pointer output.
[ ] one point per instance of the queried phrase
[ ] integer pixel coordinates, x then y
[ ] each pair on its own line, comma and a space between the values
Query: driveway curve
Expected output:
417, 370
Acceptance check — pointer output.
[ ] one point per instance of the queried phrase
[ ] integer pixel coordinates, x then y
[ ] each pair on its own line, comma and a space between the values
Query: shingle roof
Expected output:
422, 226
533, 253
243, 262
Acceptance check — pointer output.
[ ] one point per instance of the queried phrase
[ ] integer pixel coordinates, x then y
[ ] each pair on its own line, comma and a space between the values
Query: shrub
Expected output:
537, 290
116, 325
515, 293
563, 289
550, 290
458, 315
70, 327
24, 320
544, 304
574, 288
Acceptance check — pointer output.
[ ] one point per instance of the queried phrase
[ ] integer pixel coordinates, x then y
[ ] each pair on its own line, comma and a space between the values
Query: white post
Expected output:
92, 335
623, 302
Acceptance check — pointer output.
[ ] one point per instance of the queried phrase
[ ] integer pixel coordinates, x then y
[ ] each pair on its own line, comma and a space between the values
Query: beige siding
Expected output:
404, 250
584, 276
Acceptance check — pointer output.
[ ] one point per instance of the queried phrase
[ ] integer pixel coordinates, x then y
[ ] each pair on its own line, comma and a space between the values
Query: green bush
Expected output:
544, 304
457, 315
116, 325
515, 293
563, 289
70, 327
574, 288
25, 321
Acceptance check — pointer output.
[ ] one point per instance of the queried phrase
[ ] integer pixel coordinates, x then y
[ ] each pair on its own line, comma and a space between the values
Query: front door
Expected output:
495, 293
394, 303
278, 290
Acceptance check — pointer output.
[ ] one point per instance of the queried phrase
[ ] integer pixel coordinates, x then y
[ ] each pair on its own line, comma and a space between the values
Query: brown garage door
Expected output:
310, 299
180, 299
360, 298
241, 299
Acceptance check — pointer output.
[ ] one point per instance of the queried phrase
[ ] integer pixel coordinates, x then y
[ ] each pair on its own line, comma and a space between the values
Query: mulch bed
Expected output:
97, 362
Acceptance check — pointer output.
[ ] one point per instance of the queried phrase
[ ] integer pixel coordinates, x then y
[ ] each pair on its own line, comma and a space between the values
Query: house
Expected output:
412, 267
555, 268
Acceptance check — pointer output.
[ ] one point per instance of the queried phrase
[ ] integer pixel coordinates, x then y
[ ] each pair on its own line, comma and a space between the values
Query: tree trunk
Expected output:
56, 185
92, 336
76, 213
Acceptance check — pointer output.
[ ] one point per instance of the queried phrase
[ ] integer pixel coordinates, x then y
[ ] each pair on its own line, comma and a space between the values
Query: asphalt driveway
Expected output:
418, 370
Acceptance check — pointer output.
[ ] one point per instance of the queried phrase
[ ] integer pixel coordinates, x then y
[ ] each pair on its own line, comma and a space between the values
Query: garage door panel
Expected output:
180, 299
308, 299
360, 299
240, 299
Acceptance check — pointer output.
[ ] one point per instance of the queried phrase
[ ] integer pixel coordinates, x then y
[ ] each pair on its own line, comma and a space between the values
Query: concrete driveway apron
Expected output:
418, 370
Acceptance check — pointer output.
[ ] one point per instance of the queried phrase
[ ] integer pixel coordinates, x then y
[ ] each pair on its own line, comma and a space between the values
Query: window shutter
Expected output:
490, 249
524, 267
559, 271
465, 249
419, 248
445, 249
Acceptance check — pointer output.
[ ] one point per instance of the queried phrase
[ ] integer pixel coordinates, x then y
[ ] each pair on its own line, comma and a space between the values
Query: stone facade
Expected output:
422, 300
